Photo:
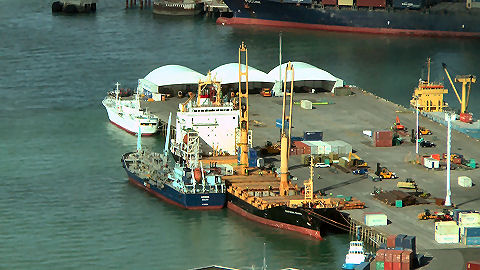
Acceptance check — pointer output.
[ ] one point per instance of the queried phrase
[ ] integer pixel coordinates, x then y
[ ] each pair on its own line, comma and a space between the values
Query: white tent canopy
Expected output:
302, 72
174, 74
228, 73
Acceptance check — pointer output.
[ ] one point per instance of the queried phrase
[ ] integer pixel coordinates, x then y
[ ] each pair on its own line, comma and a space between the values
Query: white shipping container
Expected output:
446, 228
306, 104
464, 181
431, 163
446, 238
368, 133
465, 219
375, 219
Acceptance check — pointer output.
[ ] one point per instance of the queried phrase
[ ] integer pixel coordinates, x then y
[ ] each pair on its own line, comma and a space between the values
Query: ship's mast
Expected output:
243, 107
428, 70
286, 135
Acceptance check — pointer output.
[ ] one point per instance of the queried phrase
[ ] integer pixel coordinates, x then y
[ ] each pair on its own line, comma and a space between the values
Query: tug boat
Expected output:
355, 255
127, 114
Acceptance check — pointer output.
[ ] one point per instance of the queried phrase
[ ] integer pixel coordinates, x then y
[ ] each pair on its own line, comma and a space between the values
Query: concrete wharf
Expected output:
345, 120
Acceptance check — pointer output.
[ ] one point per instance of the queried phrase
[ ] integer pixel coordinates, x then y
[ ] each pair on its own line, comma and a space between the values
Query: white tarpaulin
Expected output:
302, 72
228, 73
174, 74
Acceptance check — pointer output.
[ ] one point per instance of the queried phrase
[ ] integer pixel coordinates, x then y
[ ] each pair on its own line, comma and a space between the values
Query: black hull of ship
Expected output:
313, 222
456, 22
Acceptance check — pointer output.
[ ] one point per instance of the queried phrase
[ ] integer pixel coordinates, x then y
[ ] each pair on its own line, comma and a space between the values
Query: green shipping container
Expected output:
399, 203
472, 164
380, 266
327, 161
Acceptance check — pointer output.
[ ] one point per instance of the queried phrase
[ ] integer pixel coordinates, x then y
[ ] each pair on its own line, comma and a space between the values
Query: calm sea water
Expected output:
64, 199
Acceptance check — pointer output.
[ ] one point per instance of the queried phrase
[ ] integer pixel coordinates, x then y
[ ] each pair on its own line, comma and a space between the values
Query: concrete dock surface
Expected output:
345, 120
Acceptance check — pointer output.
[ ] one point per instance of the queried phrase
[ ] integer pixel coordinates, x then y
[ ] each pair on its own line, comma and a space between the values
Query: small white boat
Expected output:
355, 255
127, 114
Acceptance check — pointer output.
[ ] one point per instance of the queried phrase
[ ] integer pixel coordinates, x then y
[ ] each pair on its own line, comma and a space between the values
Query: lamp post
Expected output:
448, 118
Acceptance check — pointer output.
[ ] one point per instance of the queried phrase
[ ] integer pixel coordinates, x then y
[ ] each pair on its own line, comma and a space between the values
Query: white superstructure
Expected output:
214, 121
128, 115
356, 254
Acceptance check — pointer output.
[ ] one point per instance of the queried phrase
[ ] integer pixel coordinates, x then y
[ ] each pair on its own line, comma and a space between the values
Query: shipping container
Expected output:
407, 260
471, 241
464, 181
436, 156
375, 219
380, 256
329, 2
446, 227
379, 265
409, 243
399, 240
465, 219
472, 231
371, 3
313, 135
398, 203
305, 104
391, 240
456, 212
388, 259
295, 139
345, 2
472, 265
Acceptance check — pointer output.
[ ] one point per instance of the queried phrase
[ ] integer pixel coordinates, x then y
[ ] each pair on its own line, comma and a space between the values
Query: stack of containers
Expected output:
300, 148
446, 232
469, 224
383, 138
399, 254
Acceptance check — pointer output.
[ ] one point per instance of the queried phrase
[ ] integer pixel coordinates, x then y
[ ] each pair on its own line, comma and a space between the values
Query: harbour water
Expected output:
65, 202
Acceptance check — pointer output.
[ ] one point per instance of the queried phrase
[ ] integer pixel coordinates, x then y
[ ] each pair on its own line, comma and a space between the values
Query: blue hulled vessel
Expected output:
184, 183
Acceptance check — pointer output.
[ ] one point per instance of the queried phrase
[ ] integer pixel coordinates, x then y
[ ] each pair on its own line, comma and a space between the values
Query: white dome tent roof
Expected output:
302, 72
174, 74
228, 73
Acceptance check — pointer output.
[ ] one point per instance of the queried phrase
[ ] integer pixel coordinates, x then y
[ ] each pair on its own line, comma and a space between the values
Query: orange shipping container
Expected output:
380, 256
407, 260
436, 156
397, 259
388, 265
391, 241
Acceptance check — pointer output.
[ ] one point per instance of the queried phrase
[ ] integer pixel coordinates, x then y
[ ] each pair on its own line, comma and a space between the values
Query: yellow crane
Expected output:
243, 107
465, 80
286, 135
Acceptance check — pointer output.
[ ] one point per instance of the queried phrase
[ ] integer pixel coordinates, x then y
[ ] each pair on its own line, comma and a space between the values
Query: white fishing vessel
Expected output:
355, 255
127, 114
215, 121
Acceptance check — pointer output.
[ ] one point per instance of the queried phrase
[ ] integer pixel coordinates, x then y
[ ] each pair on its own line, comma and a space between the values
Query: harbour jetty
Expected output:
346, 119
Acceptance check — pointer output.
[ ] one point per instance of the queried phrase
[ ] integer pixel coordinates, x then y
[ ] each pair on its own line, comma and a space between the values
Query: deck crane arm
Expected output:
451, 82
286, 135
465, 80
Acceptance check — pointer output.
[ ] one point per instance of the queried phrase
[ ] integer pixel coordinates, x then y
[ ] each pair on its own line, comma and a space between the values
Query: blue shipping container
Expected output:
399, 240
297, 139
472, 241
472, 231
313, 135
252, 157
409, 242
278, 123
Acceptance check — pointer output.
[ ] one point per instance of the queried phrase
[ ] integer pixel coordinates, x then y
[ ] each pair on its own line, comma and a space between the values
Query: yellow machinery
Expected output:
184, 105
465, 80
243, 107
286, 135
428, 96
357, 161
206, 88
308, 184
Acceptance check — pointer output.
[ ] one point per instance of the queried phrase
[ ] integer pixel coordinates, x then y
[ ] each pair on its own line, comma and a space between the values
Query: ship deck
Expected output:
345, 120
